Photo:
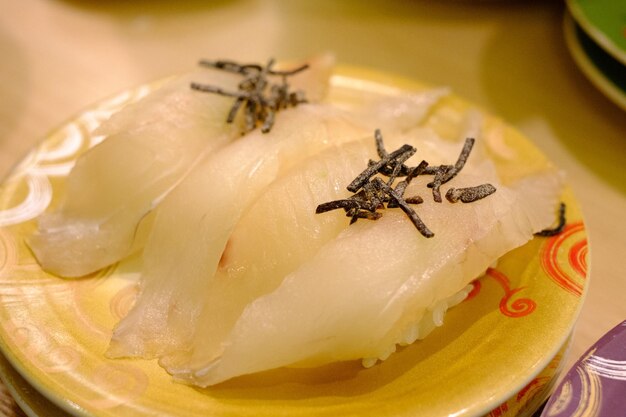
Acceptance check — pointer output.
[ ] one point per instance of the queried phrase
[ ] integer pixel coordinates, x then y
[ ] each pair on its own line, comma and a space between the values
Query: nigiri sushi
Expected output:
149, 147
329, 292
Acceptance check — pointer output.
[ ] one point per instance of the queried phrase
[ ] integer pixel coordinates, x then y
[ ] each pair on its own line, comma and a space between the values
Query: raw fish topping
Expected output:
260, 98
371, 193
147, 149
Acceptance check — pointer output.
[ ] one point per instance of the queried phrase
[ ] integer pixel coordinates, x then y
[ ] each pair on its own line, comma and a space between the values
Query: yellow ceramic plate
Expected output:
488, 355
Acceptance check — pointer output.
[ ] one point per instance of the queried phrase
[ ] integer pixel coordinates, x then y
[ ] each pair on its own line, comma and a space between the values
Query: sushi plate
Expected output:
605, 22
497, 353
605, 72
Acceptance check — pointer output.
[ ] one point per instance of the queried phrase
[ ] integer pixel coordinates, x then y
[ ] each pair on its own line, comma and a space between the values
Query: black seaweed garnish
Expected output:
470, 194
260, 98
371, 193
444, 173
560, 226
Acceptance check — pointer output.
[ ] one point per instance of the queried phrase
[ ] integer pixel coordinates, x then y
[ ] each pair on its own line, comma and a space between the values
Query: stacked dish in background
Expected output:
595, 33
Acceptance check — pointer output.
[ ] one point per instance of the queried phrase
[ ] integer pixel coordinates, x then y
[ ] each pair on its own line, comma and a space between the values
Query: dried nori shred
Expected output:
470, 194
260, 98
371, 193
445, 173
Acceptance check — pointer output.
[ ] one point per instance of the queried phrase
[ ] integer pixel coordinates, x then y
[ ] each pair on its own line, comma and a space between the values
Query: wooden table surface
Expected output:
59, 56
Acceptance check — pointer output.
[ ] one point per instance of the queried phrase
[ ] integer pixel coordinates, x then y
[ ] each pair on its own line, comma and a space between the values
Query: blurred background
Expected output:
509, 56
58, 56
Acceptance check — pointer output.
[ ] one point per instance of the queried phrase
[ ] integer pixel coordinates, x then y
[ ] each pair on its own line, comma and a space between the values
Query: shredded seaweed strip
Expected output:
371, 193
445, 173
260, 98
560, 226
470, 194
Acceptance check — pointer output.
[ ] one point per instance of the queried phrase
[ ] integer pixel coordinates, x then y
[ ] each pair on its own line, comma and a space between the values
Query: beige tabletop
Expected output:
59, 56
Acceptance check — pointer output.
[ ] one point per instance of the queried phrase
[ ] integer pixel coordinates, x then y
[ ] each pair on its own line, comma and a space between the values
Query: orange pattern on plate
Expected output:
518, 308
572, 243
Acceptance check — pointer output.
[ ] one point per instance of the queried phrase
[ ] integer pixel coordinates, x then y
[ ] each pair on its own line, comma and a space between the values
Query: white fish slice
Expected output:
361, 293
150, 146
276, 234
